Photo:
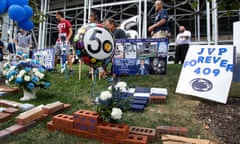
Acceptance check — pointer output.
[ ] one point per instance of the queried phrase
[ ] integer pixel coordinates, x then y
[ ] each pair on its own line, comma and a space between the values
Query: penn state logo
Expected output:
201, 85
98, 43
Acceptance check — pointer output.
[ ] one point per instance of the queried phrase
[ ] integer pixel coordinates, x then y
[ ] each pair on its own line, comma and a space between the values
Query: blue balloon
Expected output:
17, 2
26, 24
16, 12
3, 5
28, 11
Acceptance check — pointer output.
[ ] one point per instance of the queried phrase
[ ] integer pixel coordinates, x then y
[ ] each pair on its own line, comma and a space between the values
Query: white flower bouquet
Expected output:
27, 74
111, 105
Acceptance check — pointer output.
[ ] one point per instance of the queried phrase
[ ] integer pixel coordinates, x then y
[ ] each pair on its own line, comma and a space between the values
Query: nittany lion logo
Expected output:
201, 85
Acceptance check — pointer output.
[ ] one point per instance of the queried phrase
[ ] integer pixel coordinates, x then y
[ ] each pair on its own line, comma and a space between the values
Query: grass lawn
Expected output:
178, 111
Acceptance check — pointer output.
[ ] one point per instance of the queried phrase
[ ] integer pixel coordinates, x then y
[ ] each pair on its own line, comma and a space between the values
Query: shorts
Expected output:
60, 50
160, 34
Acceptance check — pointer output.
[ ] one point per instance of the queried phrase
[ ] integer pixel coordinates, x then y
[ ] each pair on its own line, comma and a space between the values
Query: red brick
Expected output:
162, 130
84, 127
86, 117
4, 134
8, 103
50, 126
135, 139
11, 110
63, 121
4, 117
85, 134
113, 130
149, 132
14, 129
158, 99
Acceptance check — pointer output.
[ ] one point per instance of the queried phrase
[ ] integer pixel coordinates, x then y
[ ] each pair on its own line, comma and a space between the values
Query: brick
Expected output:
86, 117
14, 129
8, 89
135, 139
3, 135
180, 131
85, 134
113, 130
85, 127
67, 106
158, 99
50, 126
4, 117
53, 107
137, 108
30, 116
63, 121
149, 132
9, 103
11, 110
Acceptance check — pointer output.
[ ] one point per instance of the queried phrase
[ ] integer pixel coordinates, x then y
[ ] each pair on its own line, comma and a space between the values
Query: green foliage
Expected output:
38, 16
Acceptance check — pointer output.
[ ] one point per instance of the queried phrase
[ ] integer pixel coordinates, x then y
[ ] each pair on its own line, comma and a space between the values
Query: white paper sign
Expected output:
207, 72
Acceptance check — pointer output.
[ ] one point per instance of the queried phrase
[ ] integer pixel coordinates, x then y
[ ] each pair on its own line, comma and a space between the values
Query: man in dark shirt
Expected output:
111, 25
160, 28
1, 50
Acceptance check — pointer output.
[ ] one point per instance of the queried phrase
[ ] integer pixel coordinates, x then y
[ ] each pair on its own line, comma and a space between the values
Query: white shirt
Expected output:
181, 38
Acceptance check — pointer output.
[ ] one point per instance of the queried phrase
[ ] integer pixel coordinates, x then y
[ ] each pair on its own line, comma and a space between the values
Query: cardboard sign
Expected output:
207, 72
46, 57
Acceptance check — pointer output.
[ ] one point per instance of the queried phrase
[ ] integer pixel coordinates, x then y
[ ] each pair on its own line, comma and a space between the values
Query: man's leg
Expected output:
177, 55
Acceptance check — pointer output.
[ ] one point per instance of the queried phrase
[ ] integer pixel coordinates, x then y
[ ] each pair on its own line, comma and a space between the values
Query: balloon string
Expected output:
95, 71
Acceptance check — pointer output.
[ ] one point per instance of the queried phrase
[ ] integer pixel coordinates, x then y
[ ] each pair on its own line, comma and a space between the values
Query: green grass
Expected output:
178, 111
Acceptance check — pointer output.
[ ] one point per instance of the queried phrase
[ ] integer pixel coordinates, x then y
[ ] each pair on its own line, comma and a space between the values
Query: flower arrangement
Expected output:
27, 74
111, 105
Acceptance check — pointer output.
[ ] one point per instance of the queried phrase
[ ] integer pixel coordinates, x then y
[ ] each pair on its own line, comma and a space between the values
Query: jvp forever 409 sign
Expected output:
207, 72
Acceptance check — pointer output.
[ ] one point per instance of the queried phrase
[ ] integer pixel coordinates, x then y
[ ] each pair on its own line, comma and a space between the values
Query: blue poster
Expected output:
124, 66
46, 57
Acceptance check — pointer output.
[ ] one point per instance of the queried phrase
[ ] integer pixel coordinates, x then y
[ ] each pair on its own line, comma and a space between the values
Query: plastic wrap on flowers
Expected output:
27, 74
94, 44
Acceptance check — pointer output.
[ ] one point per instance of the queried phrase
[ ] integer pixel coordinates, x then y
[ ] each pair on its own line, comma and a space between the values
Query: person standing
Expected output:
160, 27
1, 50
64, 32
183, 41
23, 43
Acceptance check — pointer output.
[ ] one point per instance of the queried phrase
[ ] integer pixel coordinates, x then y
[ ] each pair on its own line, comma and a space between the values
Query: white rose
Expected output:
116, 114
121, 86
27, 78
105, 95
40, 75
5, 72
11, 78
28, 60
6, 65
110, 88
12, 68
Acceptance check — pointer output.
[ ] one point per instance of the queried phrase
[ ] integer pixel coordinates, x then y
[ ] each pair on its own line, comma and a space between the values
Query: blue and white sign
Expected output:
207, 72
46, 57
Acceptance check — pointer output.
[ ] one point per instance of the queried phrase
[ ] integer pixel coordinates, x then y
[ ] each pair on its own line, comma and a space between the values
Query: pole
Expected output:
139, 18
208, 22
85, 11
198, 22
40, 28
215, 21
144, 35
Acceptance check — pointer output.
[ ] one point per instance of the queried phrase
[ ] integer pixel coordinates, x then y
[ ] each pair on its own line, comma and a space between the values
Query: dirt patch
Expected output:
222, 120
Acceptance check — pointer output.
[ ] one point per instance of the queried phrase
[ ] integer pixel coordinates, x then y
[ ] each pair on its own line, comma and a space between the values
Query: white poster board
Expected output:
207, 72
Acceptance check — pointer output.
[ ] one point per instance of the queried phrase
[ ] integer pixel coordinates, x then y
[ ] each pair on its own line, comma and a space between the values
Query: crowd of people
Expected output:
22, 44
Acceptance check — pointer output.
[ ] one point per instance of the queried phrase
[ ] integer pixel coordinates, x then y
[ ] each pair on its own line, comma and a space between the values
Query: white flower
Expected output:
27, 78
97, 100
40, 75
121, 86
105, 95
22, 72
110, 88
6, 65
12, 68
5, 72
28, 60
116, 114
35, 70
11, 78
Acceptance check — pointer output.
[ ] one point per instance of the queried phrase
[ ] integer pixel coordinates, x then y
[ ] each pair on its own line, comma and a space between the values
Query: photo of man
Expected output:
143, 67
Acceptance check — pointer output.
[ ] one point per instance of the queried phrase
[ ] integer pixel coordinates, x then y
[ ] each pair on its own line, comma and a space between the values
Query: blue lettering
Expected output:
229, 68
200, 59
208, 59
223, 63
222, 50
216, 59
198, 71
201, 52
206, 71
191, 63
211, 50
